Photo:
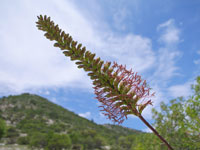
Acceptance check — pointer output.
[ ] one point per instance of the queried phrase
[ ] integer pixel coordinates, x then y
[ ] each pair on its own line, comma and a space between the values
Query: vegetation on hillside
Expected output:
2, 128
34, 121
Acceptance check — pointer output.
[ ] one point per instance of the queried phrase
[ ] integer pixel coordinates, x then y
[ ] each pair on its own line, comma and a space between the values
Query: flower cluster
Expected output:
128, 94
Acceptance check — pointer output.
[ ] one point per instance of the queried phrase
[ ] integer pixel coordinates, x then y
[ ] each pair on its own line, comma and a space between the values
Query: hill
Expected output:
31, 117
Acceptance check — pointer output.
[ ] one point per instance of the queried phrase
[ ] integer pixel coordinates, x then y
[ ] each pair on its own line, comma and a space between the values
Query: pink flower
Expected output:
124, 93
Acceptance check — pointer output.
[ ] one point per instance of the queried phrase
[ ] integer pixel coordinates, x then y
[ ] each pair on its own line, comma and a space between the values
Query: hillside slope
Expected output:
27, 114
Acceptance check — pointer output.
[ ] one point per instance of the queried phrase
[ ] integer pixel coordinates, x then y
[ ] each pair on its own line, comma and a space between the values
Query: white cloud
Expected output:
168, 54
197, 61
147, 130
53, 99
85, 115
181, 90
29, 61
101, 115
131, 50
170, 32
120, 12
166, 64
47, 92
119, 18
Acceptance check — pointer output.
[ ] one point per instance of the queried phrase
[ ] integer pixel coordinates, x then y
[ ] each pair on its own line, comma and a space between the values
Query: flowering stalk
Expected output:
120, 91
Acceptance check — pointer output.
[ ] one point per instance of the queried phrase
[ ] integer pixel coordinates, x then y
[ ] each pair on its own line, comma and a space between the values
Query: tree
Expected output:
24, 140
179, 122
88, 138
2, 128
192, 111
126, 142
58, 142
38, 139
139, 146
12, 132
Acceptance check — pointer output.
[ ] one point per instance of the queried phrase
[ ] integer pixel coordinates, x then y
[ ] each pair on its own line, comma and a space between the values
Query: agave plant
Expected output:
121, 92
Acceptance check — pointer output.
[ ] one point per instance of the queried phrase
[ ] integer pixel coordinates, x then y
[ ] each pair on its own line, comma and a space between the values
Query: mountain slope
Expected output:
27, 114
27, 107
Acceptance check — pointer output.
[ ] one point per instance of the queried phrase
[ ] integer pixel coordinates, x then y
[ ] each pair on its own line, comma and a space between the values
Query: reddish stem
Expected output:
156, 133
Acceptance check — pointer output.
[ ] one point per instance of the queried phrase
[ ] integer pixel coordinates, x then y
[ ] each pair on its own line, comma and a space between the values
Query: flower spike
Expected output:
120, 91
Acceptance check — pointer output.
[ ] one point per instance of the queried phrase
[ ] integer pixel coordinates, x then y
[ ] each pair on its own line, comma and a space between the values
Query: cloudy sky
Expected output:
158, 39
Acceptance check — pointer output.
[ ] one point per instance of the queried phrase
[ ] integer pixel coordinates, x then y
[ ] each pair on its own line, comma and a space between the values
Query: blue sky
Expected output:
158, 39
